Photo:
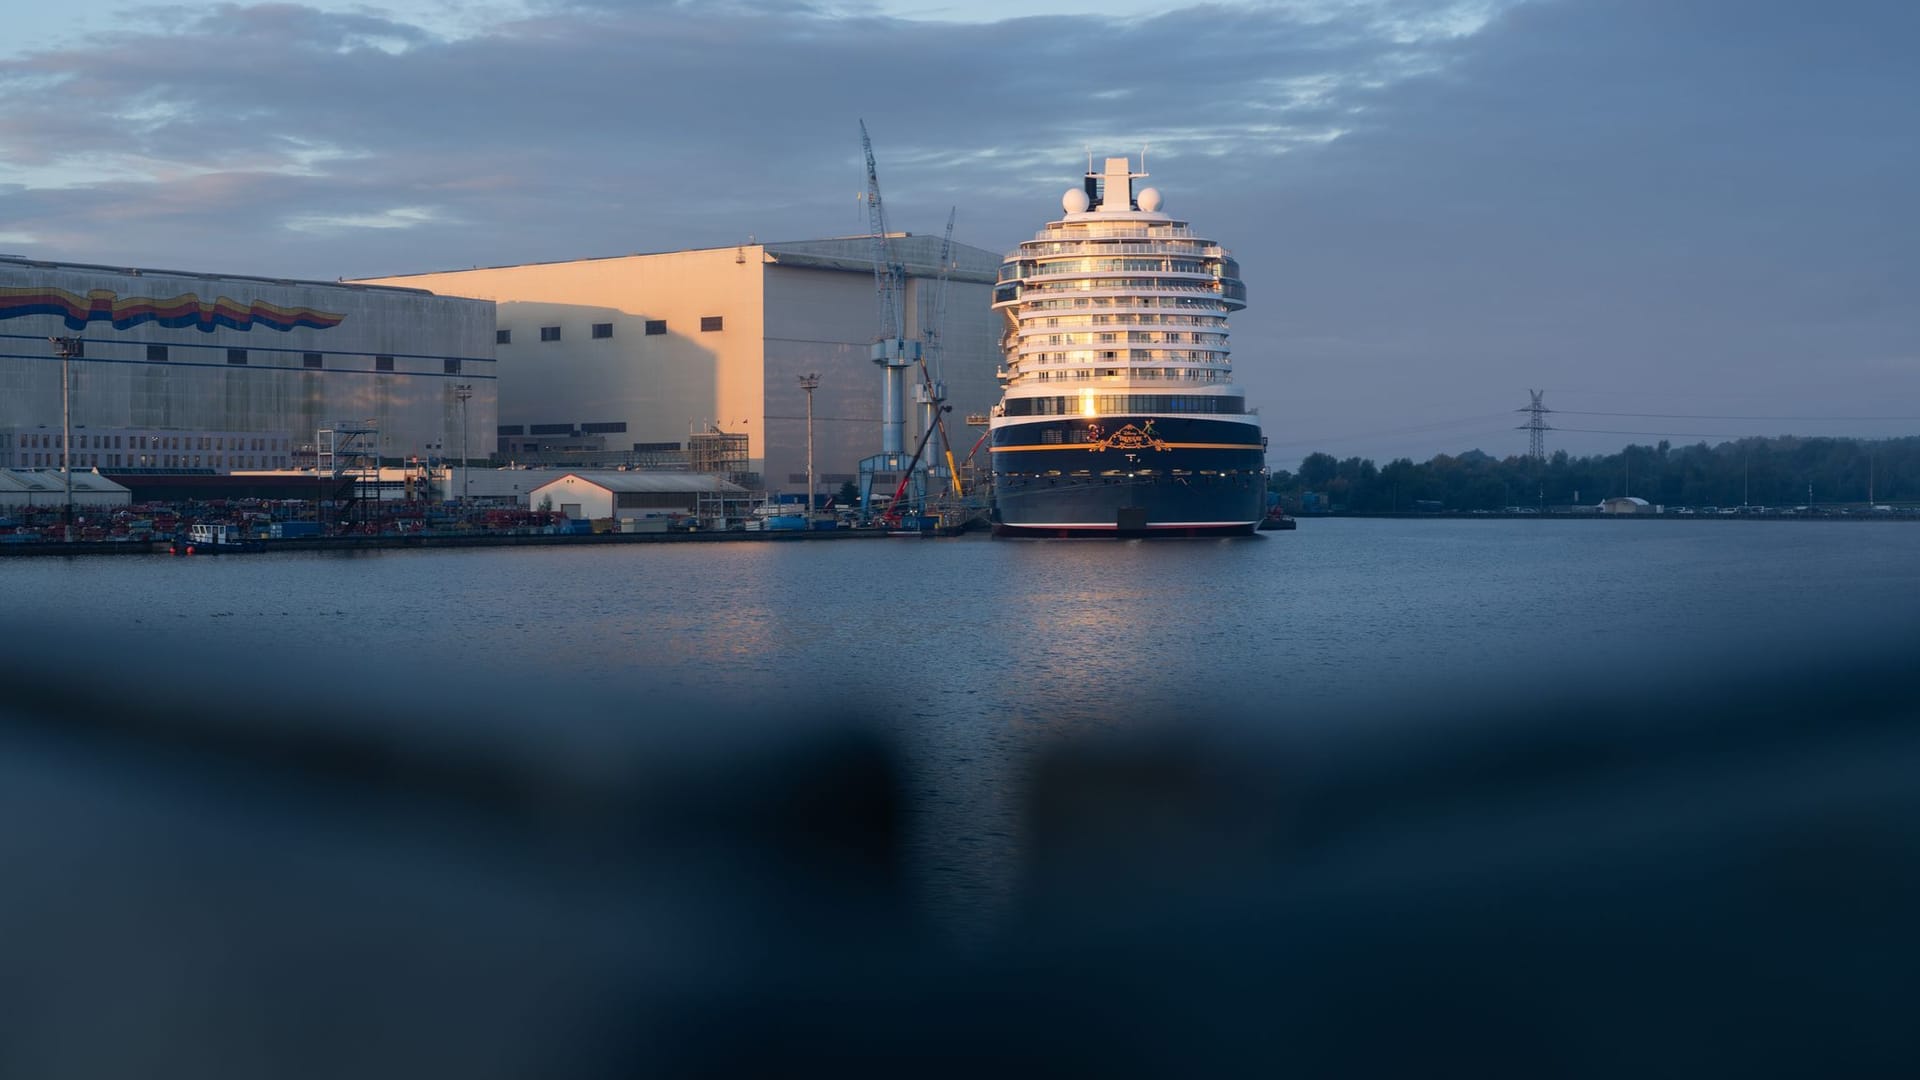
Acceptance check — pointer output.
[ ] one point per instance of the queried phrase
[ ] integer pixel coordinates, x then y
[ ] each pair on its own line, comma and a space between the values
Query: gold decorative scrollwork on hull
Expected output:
1131, 438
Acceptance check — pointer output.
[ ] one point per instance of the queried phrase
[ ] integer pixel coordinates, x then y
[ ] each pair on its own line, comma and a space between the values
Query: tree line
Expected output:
1761, 471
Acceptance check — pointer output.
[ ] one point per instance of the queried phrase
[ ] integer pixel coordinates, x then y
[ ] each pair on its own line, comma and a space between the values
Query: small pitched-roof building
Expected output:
1630, 504
595, 496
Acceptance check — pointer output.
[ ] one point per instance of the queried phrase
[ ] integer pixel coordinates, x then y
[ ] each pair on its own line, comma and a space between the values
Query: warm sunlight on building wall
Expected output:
636, 353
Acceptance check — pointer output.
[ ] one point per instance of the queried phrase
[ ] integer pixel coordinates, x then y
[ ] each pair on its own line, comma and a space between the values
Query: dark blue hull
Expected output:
1129, 476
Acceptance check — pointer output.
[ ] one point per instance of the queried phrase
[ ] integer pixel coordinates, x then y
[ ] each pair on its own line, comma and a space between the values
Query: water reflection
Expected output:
975, 654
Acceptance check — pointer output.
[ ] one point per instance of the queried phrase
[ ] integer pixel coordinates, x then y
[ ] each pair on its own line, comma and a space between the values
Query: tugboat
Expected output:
1119, 416
214, 540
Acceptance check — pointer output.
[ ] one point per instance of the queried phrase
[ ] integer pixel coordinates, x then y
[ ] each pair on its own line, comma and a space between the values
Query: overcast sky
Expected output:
1704, 208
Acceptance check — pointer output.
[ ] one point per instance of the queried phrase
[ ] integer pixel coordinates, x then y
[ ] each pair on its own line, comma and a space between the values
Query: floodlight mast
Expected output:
810, 382
463, 393
66, 348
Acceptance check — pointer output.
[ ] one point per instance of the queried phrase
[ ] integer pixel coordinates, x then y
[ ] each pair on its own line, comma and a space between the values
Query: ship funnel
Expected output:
1117, 186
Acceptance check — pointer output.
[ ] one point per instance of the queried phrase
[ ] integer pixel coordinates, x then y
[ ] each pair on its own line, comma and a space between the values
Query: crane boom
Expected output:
937, 339
891, 351
892, 516
886, 274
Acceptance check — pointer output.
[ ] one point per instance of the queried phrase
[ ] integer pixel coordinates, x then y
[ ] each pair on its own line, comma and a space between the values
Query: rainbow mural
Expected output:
187, 309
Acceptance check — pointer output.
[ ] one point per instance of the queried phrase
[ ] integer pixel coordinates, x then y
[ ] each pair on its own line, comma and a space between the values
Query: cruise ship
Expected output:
1119, 416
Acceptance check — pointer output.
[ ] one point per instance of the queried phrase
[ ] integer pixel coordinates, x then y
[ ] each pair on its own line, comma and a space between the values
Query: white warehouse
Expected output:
594, 496
637, 353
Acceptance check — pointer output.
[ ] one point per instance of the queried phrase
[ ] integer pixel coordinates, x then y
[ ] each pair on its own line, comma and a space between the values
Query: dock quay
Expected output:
164, 546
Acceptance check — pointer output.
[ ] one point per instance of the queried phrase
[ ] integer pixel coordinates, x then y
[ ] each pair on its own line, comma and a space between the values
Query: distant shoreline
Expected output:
1468, 515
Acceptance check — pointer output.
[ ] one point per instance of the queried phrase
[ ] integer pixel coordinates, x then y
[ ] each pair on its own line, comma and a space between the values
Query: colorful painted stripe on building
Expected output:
187, 309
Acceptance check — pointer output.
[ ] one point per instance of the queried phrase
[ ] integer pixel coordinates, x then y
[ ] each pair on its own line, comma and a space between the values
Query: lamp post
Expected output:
810, 382
66, 348
464, 391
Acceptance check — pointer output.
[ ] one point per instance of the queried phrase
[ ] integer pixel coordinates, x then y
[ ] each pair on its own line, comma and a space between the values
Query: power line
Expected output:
845, 419
1712, 416
1667, 434
1438, 425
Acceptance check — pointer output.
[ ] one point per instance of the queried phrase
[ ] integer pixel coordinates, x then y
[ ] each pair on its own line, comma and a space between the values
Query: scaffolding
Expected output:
349, 449
719, 453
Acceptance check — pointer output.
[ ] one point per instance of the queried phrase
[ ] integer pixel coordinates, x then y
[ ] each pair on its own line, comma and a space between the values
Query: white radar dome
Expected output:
1149, 199
1074, 201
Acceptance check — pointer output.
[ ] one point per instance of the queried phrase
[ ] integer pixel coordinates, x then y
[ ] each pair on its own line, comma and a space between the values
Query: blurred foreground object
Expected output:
1696, 883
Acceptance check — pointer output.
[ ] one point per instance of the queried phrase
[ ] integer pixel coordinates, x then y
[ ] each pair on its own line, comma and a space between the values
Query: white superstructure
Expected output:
1116, 296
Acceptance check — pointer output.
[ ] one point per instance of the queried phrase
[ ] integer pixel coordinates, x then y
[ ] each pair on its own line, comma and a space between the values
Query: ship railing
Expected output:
1199, 248
1118, 228
1081, 283
1081, 375
1044, 275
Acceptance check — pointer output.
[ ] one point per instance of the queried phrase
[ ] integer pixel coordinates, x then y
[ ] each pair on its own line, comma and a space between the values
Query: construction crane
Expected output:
892, 518
931, 394
892, 351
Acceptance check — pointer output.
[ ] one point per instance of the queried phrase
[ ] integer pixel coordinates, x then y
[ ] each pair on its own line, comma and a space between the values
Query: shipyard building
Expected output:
180, 371
692, 359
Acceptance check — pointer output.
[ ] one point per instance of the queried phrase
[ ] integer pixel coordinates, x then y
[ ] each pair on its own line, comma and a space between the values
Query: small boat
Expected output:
1277, 519
214, 540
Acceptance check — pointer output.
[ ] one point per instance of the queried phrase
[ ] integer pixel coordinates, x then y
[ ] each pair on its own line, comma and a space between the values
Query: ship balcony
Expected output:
1117, 334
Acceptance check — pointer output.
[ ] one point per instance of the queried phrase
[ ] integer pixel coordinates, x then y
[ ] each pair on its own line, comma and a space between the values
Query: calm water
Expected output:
976, 652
